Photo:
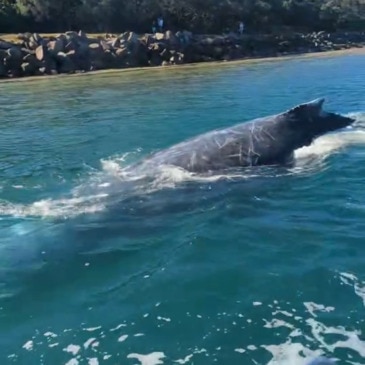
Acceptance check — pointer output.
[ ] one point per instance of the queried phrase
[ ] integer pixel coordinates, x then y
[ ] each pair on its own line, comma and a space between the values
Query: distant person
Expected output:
241, 28
160, 23
154, 27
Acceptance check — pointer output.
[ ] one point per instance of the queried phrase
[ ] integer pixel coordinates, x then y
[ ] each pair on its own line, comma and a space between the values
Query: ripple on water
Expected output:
290, 334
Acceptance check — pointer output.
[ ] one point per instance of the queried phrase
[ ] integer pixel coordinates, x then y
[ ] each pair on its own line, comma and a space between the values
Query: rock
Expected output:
96, 56
14, 52
37, 38
105, 46
28, 68
71, 45
56, 46
82, 49
50, 65
95, 49
157, 47
3, 72
160, 36
71, 35
165, 54
171, 38
30, 58
5, 44
132, 38
115, 43
13, 60
72, 52
122, 52
155, 59
82, 34
66, 65
147, 39
41, 53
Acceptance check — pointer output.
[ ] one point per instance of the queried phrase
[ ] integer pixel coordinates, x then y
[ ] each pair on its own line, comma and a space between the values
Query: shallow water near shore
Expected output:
99, 266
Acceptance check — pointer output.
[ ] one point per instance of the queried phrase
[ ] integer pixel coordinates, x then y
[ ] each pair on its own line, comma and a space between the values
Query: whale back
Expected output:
269, 140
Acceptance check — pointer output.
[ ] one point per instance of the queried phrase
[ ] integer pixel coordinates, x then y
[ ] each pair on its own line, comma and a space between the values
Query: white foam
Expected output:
164, 319
89, 342
28, 345
92, 329
240, 351
73, 349
313, 307
122, 338
289, 353
185, 360
73, 361
353, 342
351, 280
154, 358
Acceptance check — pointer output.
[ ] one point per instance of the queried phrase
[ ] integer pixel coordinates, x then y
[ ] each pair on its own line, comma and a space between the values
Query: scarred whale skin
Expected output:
270, 140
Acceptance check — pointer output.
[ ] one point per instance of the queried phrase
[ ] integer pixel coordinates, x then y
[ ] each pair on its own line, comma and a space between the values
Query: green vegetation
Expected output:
212, 16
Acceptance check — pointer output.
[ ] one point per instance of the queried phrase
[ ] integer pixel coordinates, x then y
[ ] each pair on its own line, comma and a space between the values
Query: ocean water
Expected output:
98, 266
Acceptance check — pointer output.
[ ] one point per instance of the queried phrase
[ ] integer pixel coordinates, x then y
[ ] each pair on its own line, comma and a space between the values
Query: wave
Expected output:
115, 181
306, 331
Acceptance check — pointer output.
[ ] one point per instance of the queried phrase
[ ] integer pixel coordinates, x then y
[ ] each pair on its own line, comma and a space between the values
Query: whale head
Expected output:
309, 121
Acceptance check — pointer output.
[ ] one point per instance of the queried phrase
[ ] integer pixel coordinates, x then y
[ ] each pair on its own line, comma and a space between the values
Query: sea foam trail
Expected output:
116, 181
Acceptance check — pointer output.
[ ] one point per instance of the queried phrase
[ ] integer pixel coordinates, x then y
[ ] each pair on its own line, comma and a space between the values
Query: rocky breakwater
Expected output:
33, 54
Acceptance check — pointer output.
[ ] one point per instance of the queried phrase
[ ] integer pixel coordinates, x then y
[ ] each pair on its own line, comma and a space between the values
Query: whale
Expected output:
264, 141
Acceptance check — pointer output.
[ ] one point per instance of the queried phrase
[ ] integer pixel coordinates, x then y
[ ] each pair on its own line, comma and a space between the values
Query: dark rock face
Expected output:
74, 52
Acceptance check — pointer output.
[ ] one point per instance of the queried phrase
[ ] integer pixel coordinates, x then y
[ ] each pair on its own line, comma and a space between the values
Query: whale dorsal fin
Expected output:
313, 107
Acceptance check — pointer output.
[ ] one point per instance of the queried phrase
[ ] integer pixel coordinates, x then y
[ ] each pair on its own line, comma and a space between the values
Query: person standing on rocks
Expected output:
160, 23
241, 28
154, 28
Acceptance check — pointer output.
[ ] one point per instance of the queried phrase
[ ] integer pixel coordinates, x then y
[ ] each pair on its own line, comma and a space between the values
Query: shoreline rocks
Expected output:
72, 52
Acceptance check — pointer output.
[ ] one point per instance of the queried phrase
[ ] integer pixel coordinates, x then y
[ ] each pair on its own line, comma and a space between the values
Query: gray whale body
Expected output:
270, 140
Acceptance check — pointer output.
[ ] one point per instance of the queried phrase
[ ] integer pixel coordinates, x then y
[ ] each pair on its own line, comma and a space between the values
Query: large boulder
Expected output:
5, 44
56, 46
115, 43
13, 59
160, 36
31, 58
41, 53
3, 71
65, 63
171, 38
29, 68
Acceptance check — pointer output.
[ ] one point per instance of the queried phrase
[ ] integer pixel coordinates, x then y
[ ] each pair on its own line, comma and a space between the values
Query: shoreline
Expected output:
243, 61
358, 49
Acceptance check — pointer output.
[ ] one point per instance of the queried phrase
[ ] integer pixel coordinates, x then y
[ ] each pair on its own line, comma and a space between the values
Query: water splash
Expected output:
116, 181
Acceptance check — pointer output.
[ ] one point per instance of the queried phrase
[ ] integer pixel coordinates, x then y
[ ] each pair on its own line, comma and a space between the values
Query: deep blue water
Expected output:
99, 268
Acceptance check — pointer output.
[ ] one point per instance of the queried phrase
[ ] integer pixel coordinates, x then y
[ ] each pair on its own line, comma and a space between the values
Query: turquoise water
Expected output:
100, 267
